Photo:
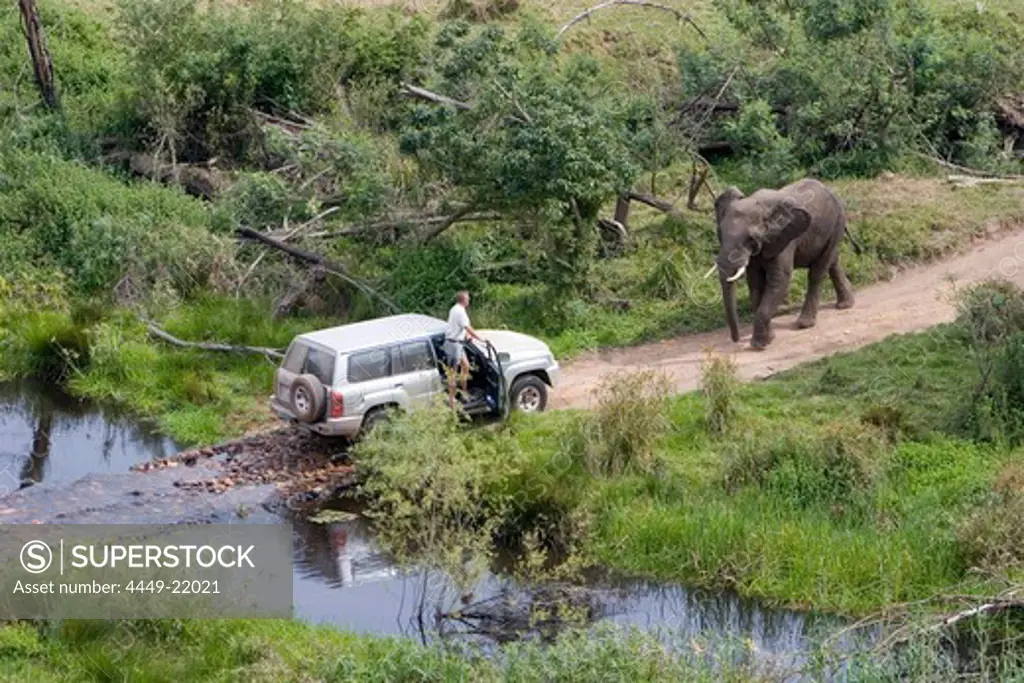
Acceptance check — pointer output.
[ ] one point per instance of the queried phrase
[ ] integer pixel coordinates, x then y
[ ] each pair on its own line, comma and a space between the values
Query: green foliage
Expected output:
990, 312
719, 385
991, 318
427, 483
992, 536
62, 214
621, 435
312, 168
666, 279
863, 82
832, 465
540, 142
199, 72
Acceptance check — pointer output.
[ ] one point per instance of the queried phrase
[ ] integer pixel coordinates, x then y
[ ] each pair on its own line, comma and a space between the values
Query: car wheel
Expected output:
372, 420
529, 394
307, 398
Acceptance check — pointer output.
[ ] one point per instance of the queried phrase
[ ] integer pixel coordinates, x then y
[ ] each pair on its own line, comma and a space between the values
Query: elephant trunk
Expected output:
729, 299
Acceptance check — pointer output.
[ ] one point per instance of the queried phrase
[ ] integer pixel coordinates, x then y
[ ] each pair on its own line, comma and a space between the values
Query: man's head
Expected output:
462, 297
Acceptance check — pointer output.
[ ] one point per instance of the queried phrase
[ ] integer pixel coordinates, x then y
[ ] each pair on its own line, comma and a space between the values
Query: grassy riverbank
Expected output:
883, 476
271, 651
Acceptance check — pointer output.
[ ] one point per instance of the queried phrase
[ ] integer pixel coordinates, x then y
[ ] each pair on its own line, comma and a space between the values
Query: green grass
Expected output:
261, 650
887, 535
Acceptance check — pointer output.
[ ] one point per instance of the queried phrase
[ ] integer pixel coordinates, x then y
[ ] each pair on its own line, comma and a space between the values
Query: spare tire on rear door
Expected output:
307, 398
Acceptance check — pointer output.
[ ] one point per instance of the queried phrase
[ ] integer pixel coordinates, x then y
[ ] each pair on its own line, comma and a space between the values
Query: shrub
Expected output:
666, 280
63, 215
479, 10
200, 75
989, 312
990, 316
630, 419
992, 537
805, 465
720, 386
427, 483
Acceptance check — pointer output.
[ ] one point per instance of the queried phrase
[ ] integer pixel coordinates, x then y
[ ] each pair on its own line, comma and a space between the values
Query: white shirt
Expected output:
458, 321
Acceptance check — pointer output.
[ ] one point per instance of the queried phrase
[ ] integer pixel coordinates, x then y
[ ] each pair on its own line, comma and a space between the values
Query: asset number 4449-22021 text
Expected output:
176, 586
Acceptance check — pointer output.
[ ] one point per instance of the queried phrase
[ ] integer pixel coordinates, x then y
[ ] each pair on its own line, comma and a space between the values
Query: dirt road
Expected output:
915, 299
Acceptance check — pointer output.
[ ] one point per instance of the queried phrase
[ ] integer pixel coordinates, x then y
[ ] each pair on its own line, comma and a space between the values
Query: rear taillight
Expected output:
337, 404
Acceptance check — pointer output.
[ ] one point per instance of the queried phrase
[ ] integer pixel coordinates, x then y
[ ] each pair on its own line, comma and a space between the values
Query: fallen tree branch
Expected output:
447, 223
210, 346
429, 96
655, 203
971, 181
967, 170
317, 259
408, 223
681, 16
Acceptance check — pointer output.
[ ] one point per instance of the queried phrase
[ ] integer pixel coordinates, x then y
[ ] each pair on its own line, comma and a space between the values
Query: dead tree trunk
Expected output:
41, 62
622, 211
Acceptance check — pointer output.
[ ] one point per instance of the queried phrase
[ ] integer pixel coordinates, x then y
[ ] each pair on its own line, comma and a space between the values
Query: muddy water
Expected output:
80, 456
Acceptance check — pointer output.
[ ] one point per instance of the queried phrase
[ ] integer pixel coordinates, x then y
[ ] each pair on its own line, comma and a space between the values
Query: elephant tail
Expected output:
858, 248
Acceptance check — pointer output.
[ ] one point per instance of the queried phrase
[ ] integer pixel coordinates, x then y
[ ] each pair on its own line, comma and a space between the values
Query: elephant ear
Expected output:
785, 223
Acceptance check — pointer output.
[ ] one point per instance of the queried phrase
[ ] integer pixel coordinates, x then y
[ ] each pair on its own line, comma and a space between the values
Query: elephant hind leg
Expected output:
809, 313
844, 291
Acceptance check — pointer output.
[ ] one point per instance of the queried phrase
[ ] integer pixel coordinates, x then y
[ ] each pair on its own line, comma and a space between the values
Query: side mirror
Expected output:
504, 357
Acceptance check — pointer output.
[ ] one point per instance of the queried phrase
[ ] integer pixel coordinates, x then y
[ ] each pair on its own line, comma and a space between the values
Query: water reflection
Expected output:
343, 578
46, 435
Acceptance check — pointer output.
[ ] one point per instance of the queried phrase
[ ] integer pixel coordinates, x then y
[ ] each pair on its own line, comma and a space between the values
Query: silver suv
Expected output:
342, 380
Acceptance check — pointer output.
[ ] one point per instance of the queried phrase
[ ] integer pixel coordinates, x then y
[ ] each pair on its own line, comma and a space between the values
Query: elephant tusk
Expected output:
738, 275
711, 272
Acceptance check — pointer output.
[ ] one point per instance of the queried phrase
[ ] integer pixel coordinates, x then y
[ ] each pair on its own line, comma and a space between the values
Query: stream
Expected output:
58, 450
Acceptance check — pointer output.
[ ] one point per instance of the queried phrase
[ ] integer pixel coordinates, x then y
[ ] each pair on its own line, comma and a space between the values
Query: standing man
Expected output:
455, 337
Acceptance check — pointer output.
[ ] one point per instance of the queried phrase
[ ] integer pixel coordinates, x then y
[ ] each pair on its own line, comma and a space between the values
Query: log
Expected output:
655, 203
429, 96
211, 346
967, 170
42, 64
406, 223
316, 259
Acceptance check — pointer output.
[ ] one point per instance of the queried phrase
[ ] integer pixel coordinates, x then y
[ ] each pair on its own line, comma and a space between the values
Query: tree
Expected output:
541, 141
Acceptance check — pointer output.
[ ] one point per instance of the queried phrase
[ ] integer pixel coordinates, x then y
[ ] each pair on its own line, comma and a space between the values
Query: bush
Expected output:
859, 84
720, 386
805, 465
63, 215
990, 317
992, 537
200, 75
621, 434
427, 482
990, 312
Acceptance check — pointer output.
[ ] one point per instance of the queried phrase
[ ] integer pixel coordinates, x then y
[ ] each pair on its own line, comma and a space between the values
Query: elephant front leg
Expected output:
763, 332
756, 285
776, 286
809, 313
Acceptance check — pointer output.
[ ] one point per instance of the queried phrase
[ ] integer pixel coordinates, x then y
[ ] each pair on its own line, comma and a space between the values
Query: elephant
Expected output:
768, 234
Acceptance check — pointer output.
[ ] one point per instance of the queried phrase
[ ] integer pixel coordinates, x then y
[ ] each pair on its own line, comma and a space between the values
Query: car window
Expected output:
295, 357
362, 367
416, 356
320, 364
